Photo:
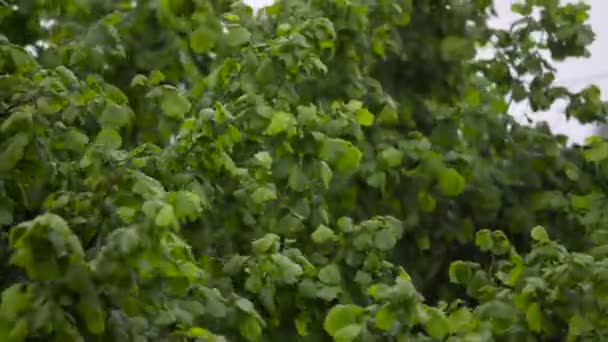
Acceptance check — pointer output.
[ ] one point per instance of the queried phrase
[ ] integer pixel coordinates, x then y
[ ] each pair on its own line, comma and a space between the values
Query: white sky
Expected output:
573, 73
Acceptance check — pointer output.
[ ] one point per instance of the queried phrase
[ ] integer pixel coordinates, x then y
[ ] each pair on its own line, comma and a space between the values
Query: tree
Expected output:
326, 170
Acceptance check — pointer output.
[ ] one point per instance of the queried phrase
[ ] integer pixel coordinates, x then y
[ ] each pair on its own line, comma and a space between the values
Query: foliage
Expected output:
187, 170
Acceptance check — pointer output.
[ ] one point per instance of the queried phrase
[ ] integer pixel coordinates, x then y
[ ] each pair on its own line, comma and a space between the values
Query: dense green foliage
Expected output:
179, 170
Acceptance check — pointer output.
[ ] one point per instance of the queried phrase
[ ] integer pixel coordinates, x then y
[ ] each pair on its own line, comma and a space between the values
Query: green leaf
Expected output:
534, 317
280, 122
174, 104
385, 317
264, 194
377, 180
350, 159
246, 306
6, 215
597, 152
424, 242
16, 299
392, 157
250, 328
327, 293
165, 216
502, 245
322, 235
539, 234
266, 244
342, 153
326, 174
109, 139
20, 121
187, 205
156, 77
147, 186
426, 202
578, 325
438, 325
263, 159
289, 271
348, 333
340, 316
484, 240
139, 80
203, 39
451, 183
354, 105
198, 332
93, 315
364, 279
266, 72
20, 330
13, 151
364, 117
75, 141
297, 179
384, 240
330, 274
301, 323
460, 272
115, 116
456, 48
461, 320
307, 115
214, 304
388, 115
237, 36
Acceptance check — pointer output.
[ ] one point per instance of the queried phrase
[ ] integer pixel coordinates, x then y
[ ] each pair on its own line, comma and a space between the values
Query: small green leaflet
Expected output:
540, 234
348, 333
384, 240
298, 181
250, 328
263, 159
484, 240
74, 140
364, 117
289, 271
340, 316
323, 234
174, 104
451, 183
115, 115
269, 243
326, 173
437, 326
330, 274
534, 316
426, 202
597, 153
385, 318
165, 217
342, 153
264, 194
109, 138
392, 157
237, 36
281, 122
13, 151
203, 39
187, 205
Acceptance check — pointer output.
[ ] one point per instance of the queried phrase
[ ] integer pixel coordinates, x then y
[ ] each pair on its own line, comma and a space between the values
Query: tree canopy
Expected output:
323, 170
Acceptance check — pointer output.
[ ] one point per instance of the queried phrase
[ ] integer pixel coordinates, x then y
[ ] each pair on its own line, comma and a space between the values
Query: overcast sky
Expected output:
574, 73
